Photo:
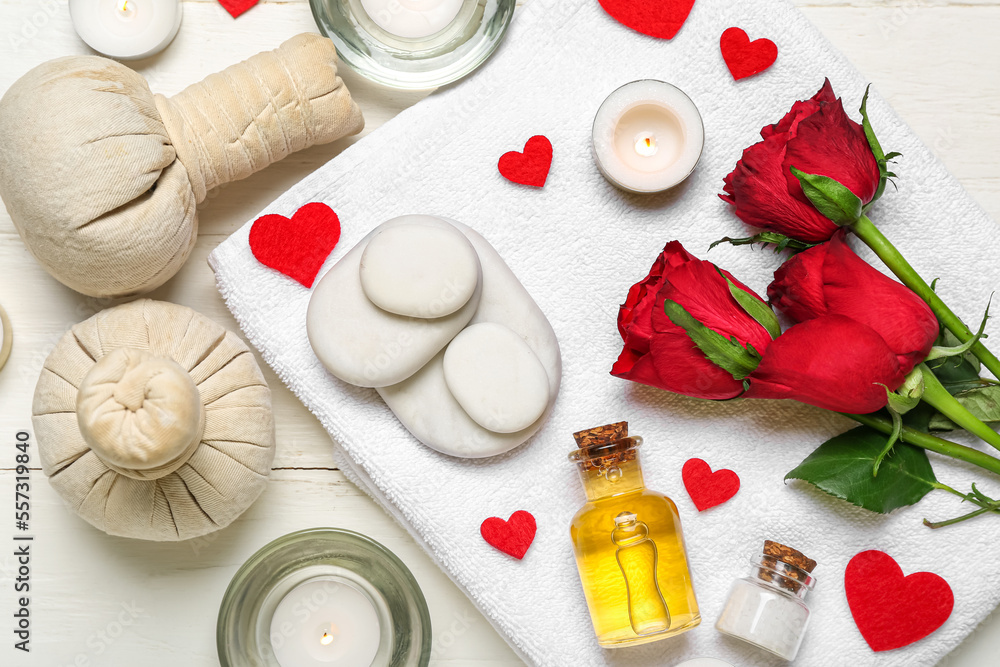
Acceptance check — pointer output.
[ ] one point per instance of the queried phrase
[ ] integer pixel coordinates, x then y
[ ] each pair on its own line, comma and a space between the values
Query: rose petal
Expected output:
828, 143
758, 190
832, 362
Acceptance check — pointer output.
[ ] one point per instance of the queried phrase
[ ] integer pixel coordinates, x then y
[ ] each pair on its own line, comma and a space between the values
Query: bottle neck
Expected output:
782, 576
615, 479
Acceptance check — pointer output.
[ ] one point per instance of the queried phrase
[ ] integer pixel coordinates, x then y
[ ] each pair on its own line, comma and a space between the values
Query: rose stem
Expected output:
951, 522
932, 442
866, 230
936, 395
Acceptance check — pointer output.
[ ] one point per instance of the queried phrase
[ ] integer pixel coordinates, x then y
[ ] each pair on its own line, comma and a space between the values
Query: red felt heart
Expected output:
707, 488
656, 18
513, 536
889, 609
237, 7
298, 246
530, 167
745, 58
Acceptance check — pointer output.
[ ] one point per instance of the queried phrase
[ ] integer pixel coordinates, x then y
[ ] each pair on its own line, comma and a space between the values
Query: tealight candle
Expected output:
126, 29
325, 622
648, 136
412, 19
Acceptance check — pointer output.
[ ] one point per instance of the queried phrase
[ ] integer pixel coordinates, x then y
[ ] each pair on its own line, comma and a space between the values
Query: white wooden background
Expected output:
98, 600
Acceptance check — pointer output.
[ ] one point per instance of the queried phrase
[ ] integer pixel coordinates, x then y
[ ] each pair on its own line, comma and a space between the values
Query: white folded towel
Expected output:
577, 245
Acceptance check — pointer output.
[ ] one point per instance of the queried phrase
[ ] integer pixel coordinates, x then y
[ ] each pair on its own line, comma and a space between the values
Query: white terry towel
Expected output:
577, 245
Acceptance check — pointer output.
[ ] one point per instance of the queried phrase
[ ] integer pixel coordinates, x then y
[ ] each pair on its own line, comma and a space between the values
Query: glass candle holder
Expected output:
767, 608
629, 546
414, 44
648, 136
325, 597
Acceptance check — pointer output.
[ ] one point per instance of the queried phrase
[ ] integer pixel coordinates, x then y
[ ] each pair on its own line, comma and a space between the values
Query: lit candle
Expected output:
325, 622
126, 29
648, 136
412, 19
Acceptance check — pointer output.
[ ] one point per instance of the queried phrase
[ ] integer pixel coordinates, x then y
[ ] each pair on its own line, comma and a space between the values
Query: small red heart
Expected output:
530, 167
707, 488
745, 58
298, 246
656, 18
237, 7
513, 536
891, 610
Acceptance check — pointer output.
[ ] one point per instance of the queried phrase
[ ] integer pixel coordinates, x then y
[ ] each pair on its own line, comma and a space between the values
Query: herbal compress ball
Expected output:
154, 422
101, 176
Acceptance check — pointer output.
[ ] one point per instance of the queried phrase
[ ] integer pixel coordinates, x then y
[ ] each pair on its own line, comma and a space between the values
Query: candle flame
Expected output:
645, 144
123, 6
326, 639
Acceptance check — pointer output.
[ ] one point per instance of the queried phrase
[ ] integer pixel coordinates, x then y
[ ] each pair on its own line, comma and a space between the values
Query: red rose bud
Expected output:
832, 362
816, 137
660, 353
831, 280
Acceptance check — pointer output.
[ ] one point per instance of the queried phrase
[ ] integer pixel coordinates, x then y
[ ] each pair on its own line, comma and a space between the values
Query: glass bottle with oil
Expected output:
629, 547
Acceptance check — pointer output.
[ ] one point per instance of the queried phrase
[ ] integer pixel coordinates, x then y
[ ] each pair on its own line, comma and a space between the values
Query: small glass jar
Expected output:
767, 608
629, 546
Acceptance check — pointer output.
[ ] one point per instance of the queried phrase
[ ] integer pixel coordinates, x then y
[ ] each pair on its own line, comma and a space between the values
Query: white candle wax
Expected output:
648, 136
412, 19
325, 623
126, 29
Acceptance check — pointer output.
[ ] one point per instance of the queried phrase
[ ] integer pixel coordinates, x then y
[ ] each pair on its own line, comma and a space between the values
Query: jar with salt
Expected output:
629, 546
767, 608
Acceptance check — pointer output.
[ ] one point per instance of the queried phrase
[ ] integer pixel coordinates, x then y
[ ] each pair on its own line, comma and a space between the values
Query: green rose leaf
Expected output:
779, 241
880, 156
957, 374
983, 402
726, 353
866, 124
842, 467
833, 200
756, 309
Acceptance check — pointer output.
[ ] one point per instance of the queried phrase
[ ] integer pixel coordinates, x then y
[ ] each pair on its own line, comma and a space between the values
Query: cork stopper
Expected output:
603, 447
601, 435
789, 555
792, 578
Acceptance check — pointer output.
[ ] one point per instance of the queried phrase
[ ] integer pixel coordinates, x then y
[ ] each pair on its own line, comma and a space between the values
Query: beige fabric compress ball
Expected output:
154, 422
101, 176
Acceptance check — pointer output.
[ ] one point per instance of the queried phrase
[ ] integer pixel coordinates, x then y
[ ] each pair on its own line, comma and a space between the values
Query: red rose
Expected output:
658, 352
831, 362
831, 280
816, 137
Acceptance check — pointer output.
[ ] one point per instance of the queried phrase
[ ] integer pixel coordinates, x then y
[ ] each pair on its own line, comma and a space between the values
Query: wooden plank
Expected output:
85, 585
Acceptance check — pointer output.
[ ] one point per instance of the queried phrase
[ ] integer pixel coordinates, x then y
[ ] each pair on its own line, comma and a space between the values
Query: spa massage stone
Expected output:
426, 311
101, 177
154, 422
